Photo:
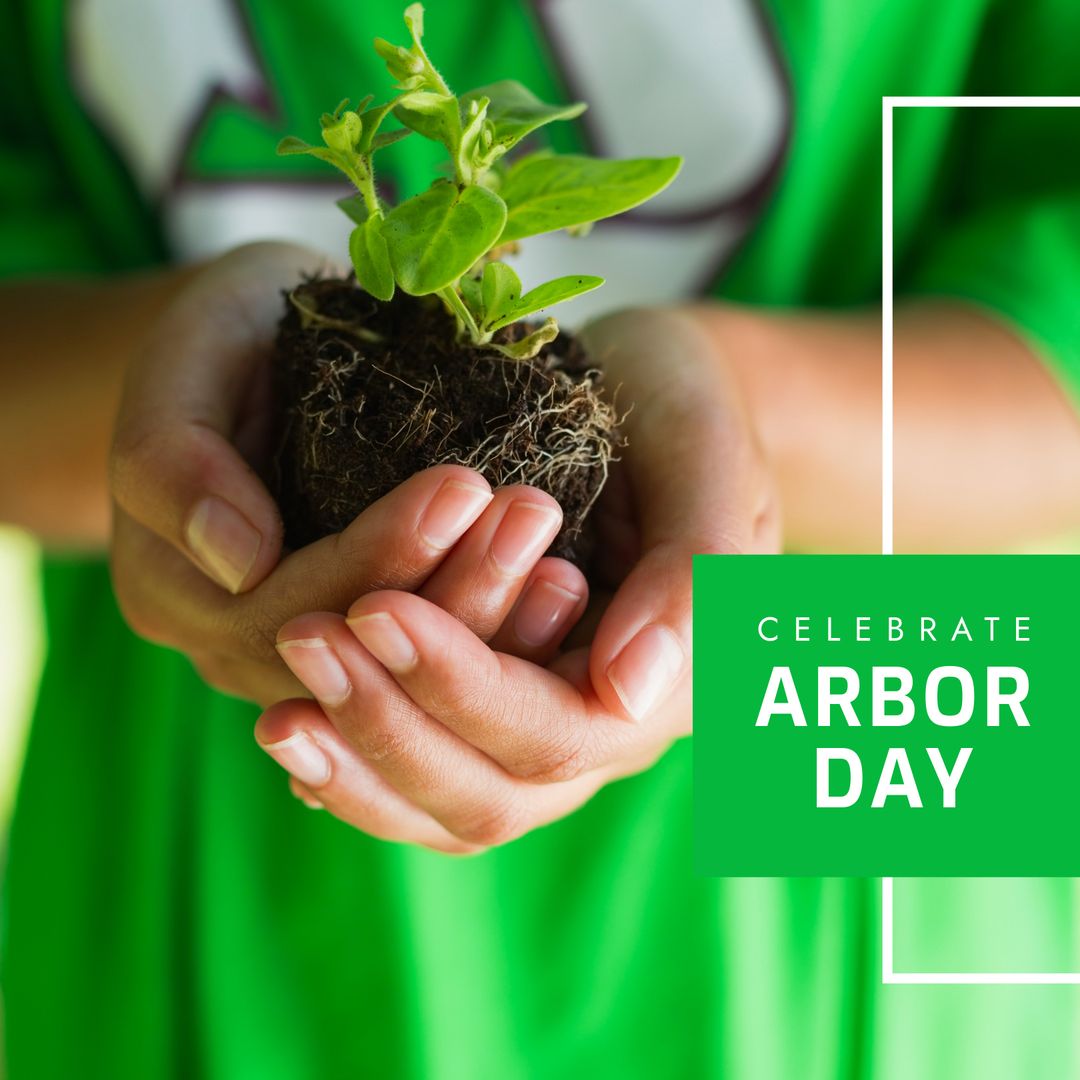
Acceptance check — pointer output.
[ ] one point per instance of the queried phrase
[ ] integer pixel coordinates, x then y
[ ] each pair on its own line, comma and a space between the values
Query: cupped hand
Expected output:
426, 733
196, 555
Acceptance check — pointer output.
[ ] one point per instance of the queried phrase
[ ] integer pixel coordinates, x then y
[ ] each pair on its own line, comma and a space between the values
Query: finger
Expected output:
162, 595
166, 599
536, 725
482, 577
327, 772
640, 654
304, 795
429, 765
396, 542
549, 606
699, 486
463, 790
173, 465
249, 680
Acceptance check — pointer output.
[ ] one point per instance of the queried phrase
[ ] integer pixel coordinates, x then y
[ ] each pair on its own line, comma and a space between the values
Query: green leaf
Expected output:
438, 235
402, 64
292, 145
435, 116
355, 207
473, 297
414, 20
342, 133
515, 111
470, 146
372, 117
544, 192
531, 344
411, 67
371, 259
501, 292
388, 138
543, 296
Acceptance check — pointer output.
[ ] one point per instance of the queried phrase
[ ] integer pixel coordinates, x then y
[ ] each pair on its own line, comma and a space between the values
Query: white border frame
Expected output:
888, 974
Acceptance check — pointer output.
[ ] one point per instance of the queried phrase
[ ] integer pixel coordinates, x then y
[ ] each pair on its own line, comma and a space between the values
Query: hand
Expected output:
434, 737
197, 539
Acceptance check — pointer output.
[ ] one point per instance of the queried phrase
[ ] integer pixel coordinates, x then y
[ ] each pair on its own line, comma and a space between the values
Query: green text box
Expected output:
756, 790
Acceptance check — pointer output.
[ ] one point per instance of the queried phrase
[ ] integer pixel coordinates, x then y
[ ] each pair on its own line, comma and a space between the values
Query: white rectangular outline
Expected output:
888, 975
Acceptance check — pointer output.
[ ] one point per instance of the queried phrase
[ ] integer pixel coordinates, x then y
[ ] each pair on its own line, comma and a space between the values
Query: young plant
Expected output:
447, 240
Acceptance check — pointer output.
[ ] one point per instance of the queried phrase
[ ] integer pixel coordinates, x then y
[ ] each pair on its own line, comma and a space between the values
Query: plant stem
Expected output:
449, 296
363, 177
365, 184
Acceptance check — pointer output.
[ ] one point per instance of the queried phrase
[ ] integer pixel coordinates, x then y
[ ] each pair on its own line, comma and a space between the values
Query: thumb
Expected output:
698, 485
174, 464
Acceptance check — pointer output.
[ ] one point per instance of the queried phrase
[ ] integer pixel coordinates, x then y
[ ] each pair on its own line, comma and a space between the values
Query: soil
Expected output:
369, 393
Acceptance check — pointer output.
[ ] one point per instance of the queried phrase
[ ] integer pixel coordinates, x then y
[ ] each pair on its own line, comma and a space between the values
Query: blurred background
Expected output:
21, 649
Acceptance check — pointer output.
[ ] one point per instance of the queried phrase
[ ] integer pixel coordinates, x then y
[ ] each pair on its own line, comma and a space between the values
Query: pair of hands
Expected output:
443, 710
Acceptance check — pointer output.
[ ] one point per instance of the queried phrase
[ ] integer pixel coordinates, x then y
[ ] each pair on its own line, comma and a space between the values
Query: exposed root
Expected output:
312, 319
565, 433
323, 409
362, 418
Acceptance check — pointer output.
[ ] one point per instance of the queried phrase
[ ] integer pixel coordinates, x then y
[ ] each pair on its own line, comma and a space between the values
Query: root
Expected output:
332, 374
312, 319
367, 410
550, 433
560, 435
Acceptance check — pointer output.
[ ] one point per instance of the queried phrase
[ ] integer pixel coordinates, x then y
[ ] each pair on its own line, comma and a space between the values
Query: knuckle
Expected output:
494, 823
472, 691
251, 629
258, 638
560, 756
464, 699
380, 553
139, 456
132, 458
384, 736
157, 450
352, 546
379, 744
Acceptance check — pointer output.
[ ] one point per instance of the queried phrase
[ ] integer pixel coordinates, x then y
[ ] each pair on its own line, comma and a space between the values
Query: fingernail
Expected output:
543, 611
453, 509
315, 664
223, 540
523, 535
310, 802
300, 756
646, 669
381, 634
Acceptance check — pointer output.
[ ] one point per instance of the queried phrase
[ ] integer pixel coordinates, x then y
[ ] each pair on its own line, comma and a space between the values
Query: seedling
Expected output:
409, 365
447, 241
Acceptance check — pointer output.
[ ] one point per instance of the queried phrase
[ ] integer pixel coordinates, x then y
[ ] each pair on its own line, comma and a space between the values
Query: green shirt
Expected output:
171, 910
